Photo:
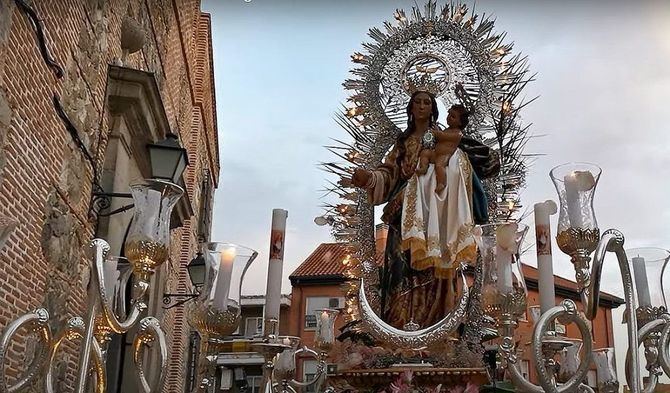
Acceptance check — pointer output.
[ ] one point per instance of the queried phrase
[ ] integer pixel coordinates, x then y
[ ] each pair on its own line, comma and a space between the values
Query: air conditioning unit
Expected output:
335, 302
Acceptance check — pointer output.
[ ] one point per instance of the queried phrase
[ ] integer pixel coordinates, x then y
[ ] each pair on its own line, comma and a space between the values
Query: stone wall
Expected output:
45, 179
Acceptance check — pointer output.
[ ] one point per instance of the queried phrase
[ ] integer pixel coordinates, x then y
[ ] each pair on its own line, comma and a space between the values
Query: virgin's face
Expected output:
422, 106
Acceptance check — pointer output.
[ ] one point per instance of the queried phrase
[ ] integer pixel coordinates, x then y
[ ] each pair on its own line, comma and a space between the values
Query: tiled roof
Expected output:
326, 262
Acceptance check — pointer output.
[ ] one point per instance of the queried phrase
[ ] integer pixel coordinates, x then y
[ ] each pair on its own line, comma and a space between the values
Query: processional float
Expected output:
455, 54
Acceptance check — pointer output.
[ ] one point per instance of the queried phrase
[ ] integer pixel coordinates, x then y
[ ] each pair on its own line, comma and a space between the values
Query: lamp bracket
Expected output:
181, 298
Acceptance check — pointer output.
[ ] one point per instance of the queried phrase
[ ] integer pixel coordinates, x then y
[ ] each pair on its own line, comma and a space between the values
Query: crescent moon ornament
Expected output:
417, 339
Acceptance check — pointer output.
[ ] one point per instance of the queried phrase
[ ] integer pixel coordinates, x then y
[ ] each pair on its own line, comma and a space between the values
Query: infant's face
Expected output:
453, 118
422, 107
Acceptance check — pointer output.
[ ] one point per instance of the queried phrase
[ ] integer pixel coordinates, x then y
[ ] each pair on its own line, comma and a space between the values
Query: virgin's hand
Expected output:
361, 177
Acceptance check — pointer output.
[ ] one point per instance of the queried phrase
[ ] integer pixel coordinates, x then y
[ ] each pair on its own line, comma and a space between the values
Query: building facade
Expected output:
318, 281
85, 85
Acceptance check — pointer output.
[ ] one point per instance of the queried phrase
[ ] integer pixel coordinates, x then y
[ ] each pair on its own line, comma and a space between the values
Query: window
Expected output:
316, 303
524, 369
254, 383
308, 374
253, 327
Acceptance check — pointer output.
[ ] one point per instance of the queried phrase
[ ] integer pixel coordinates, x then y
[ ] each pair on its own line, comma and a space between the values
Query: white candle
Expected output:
275, 266
544, 259
572, 199
505, 246
504, 270
226, 259
110, 276
640, 272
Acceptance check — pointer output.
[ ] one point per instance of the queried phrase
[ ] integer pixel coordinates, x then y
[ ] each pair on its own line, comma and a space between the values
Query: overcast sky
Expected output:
603, 80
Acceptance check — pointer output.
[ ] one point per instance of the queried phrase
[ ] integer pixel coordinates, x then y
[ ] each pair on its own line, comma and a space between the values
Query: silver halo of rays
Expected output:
456, 54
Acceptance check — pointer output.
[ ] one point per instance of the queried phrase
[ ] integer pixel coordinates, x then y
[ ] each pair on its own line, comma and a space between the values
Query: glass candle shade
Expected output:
217, 311
504, 290
606, 370
324, 337
226, 265
649, 265
285, 362
576, 185
148, 239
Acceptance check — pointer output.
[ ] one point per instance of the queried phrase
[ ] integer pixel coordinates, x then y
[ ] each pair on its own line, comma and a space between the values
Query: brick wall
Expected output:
45, 181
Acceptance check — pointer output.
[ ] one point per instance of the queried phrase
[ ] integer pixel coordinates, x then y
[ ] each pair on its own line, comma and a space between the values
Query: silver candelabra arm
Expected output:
613, 240
93, 332
664, 348
150, 331
76, 329
566, 313
320, 368
38, 322
140, 288
545, 348
652, 336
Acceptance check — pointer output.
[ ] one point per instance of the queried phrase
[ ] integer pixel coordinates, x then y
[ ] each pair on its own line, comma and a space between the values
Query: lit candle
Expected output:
226, 259
275, 268
505, 239
640, 272
544, 259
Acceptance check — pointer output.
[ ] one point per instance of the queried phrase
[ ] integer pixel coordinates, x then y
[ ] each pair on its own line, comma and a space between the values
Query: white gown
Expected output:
437, 228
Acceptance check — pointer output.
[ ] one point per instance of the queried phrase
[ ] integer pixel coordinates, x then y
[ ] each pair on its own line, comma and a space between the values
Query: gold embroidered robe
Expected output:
413, 290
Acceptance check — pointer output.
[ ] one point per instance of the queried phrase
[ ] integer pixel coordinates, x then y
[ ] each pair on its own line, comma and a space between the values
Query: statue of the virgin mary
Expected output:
429, 231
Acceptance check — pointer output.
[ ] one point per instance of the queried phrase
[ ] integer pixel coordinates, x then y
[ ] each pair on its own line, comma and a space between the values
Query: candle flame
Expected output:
228, 254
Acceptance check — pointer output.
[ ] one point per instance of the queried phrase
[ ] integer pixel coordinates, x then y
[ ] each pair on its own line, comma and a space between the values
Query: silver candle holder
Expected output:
280, 352
147, 249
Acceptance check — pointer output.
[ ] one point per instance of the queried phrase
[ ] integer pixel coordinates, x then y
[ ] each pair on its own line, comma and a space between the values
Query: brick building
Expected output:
85, 85
317, 283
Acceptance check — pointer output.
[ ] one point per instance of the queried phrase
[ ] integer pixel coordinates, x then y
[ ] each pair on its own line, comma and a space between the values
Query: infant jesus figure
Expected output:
447, 142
